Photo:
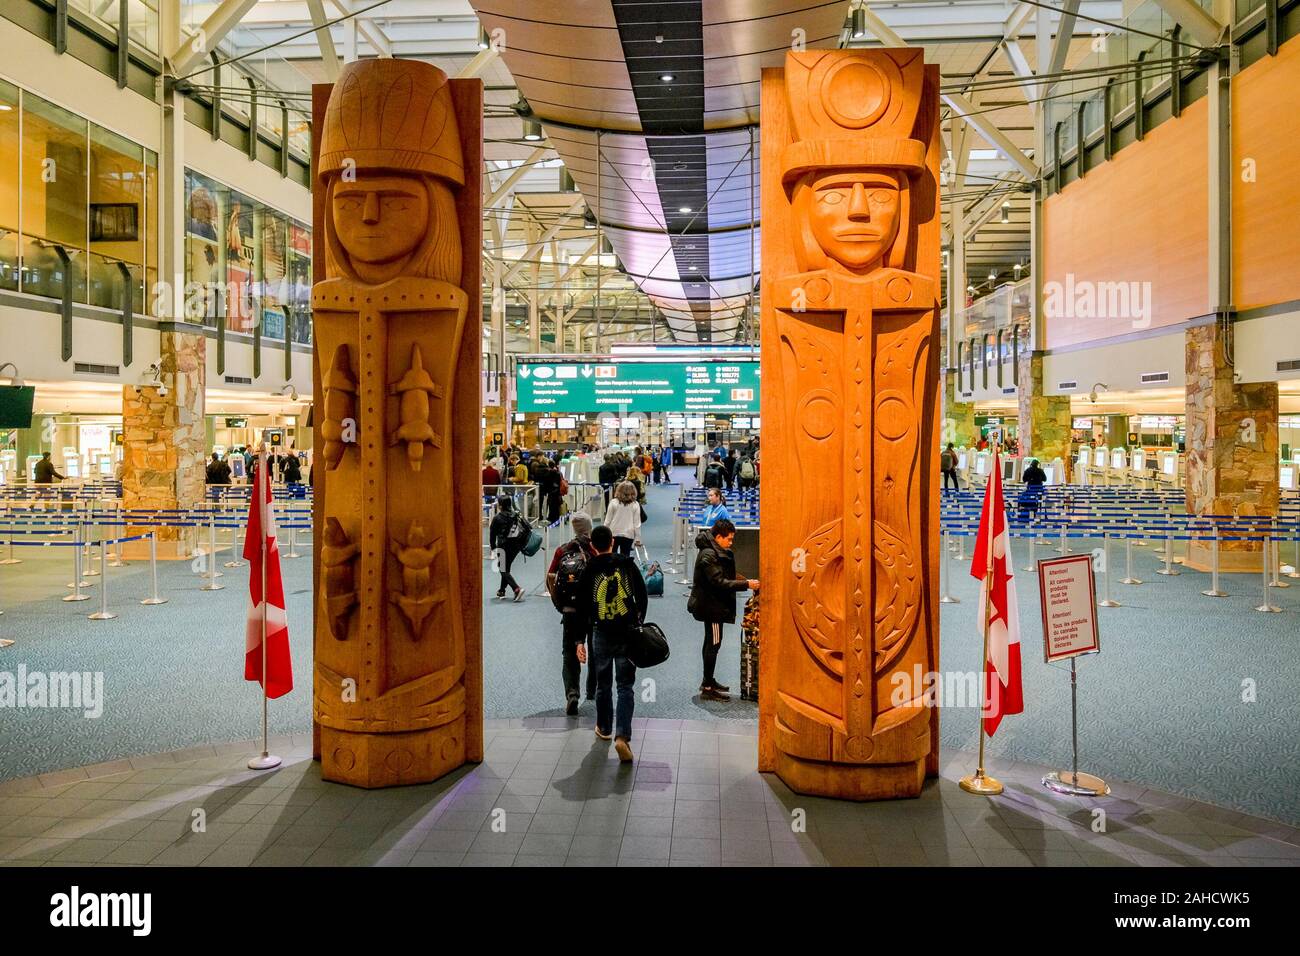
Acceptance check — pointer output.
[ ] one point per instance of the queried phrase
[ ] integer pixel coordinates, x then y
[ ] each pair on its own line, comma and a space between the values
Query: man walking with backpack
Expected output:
948, 468
568, 564
612, 599
713, 597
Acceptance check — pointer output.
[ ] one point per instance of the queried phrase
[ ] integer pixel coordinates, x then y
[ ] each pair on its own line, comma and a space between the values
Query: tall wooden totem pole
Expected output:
850, 331
398, 677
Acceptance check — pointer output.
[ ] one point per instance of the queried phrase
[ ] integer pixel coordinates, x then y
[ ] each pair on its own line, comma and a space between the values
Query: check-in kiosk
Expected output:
104, 465
1010, 468
982, 460
31, 466
1286, 477
1054, 470
8, 467
1100, 466
1119, 465
71, 462
964, 458
1082, 465
1170, 470
1138, 468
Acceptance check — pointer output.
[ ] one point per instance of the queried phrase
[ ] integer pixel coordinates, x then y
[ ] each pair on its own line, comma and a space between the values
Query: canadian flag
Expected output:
262, 552
1002, 690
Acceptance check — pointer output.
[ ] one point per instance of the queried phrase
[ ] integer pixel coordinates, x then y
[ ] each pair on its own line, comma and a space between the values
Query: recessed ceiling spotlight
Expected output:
683, 209
667, 77
532, 130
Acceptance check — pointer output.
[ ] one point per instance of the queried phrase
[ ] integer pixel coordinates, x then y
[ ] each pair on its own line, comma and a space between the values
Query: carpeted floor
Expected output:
1190, 694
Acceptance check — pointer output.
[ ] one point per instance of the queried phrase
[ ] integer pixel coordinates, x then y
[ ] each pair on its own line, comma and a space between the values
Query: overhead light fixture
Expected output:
484, 41
667, 77
5, 107
1017, 269
684, 209
293, 392
532, 129
859, 21
970, 290
1006, 211
15, 380
993, 277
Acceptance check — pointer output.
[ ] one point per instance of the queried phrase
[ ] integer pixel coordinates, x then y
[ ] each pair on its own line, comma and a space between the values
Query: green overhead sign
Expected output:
576, 387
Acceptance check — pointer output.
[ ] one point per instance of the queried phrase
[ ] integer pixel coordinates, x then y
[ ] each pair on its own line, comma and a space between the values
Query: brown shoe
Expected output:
603, 734
624, 749
712, 693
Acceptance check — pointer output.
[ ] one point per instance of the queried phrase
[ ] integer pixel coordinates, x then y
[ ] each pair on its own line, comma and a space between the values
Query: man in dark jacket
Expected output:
572, 558
45, 473
612, 599
609, 475
218, 472
1034, 474
715, 475
713, 597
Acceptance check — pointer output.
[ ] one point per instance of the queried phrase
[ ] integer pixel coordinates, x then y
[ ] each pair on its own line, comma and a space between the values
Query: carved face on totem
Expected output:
854, 215
380, 220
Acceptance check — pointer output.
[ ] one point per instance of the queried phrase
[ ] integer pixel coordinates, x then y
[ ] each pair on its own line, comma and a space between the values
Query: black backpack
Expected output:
567, 574
520, 529
612, 597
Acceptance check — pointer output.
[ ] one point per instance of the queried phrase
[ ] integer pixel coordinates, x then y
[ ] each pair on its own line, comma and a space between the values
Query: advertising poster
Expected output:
239, 264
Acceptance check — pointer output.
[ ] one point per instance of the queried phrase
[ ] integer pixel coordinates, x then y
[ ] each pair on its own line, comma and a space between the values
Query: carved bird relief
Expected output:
338, 580
414, 389
340, 406
418, 596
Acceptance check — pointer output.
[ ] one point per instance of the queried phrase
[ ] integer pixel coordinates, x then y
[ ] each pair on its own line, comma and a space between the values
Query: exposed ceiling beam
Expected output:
1202, 27
1064, 34
475, 66
516, 174
376, 37
537, 244
329, 57
195, 48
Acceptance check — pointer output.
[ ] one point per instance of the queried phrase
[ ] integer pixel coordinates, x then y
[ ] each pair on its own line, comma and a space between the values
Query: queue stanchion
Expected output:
103, 614
1128, 564
1267, 607
212, 572
1064, 546
76, 594
1033, 544
153, 570
946, 574
1169, 568
11, 559
235, 560
1107, 600
293, 545
1214, 589
88, 555
1275, 557
961, 548
1293, 573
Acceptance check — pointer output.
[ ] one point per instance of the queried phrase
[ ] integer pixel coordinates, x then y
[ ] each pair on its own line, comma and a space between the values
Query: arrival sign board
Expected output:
575, 387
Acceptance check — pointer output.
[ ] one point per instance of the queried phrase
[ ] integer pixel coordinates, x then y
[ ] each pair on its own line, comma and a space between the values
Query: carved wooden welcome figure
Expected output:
850, 383
398, 694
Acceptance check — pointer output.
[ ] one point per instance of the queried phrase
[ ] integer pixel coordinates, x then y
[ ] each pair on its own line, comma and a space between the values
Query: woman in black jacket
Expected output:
548, 490
509, 532
713, 597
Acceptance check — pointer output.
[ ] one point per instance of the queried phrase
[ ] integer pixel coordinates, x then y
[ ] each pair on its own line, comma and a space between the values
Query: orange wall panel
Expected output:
1140, 218
1266, 128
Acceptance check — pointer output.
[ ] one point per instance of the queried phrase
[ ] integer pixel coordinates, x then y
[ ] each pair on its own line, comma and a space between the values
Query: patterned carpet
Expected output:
1167, 703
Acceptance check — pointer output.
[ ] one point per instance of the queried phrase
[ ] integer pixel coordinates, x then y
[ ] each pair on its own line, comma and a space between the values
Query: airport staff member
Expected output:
45, 473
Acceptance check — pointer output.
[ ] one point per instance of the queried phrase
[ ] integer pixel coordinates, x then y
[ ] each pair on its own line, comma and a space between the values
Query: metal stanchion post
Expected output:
1169, 568
293, 544
153, 570
88, 554
1128, 564
1293, 573
961, 547
103, 614
11, 559
1214, 590
212, 572
1275, 556
1105, 561
76, 594
235, 560
1033, 561
945, 572
1267, 607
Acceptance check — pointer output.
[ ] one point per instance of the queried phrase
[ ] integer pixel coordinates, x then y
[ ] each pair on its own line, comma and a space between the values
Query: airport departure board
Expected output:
591, 387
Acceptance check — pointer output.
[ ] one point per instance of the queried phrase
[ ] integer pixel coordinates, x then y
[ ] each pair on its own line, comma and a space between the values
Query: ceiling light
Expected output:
667, 77
1006, 211
859, 29
992, 277
5, 107
483, 40
532, 130
684, 209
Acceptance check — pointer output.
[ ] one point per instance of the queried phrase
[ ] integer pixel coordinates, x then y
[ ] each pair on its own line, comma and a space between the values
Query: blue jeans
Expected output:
610, 665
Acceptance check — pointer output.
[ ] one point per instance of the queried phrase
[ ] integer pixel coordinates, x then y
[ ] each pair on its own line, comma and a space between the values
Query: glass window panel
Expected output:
274, 285
151, 226
204, 248
54, 184
240, 260
300, 282
117, 191
8, 185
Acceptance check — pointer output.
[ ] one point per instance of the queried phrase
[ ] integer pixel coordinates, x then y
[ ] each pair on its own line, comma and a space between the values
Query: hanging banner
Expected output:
1067, 592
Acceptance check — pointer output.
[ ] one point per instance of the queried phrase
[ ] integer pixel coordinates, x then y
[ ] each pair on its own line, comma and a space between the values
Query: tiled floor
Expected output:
550, 794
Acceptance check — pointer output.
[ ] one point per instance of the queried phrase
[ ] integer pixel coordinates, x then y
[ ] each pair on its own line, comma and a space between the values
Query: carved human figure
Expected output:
850, 310
337, 578
392, 311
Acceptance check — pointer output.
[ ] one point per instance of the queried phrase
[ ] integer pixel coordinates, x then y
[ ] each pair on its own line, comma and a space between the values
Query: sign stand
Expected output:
1067, 591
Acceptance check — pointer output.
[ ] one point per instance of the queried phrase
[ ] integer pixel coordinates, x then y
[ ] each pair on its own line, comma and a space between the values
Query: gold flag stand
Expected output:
979, 781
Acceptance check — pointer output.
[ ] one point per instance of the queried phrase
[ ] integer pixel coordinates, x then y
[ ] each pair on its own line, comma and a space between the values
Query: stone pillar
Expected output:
1232, 447
958, 417
163, 437
1044, 419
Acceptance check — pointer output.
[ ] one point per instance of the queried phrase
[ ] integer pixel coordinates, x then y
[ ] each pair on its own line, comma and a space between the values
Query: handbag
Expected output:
646, 645
533, 544
653, 574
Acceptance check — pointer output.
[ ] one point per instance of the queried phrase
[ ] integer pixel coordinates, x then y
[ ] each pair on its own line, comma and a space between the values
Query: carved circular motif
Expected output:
345, 759
899, 289
893, 418
818, 289
856, 94
449, 747
819, 413
859, 748
399, 761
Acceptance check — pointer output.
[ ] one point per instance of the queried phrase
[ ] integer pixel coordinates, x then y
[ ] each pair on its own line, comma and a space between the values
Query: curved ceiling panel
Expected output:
670, 90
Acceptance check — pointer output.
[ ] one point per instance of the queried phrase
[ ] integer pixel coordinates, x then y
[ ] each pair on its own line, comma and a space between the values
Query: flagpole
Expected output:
979, 781
268, 760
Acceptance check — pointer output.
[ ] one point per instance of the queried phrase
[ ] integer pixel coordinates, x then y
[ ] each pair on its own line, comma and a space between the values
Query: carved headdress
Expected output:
854, 112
